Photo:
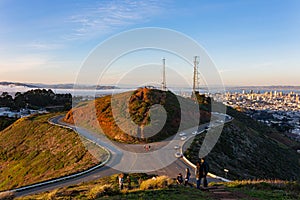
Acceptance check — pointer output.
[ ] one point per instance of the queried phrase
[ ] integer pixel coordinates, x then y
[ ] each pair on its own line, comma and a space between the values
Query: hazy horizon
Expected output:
129, 85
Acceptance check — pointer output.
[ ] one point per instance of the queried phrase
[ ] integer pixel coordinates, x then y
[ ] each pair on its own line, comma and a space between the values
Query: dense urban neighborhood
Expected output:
277, 109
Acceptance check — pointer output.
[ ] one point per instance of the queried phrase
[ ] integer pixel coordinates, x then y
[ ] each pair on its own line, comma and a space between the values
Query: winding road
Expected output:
128, 157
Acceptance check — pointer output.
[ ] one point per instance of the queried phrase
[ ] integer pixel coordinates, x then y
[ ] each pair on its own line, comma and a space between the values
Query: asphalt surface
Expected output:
161, 158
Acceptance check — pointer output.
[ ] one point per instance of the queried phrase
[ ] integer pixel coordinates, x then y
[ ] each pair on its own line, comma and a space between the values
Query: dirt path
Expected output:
221, 193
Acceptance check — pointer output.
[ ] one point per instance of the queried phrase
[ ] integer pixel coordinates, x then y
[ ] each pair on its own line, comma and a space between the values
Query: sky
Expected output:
251, 42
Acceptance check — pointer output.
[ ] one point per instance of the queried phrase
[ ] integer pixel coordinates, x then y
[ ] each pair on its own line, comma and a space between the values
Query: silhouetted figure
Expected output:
128, 180
179, 179
204, 168
197, 175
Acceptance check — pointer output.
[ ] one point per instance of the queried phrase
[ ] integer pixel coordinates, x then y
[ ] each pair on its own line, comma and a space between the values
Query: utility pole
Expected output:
164, 84
195, 77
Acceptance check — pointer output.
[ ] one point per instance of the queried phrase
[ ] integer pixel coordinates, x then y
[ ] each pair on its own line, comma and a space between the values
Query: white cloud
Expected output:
111, 15
42, 46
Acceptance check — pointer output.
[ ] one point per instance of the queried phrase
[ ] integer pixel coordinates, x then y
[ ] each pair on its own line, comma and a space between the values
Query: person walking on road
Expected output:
204, 168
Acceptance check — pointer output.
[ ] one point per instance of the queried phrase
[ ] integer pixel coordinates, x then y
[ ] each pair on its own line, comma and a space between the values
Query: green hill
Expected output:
178, 110
32, 150
250, 150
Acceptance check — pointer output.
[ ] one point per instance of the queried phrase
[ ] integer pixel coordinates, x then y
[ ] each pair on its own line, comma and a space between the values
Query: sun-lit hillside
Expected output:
32, 150
144, 103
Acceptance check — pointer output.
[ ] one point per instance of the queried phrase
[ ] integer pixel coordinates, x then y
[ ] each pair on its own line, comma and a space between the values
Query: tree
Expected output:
6, 100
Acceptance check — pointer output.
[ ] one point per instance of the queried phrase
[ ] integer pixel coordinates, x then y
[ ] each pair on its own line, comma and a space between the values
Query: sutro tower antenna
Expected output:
164, 84
196, 74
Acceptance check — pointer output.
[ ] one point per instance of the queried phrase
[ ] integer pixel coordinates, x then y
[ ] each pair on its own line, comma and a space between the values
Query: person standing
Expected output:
204, 171
129, 182
187, 177
121, 181
197, 175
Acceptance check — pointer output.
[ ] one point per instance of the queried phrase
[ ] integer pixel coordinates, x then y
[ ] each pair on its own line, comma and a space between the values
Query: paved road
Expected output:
162, 161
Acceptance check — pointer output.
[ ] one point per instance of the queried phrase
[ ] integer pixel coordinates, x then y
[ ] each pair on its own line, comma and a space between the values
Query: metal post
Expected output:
164, 84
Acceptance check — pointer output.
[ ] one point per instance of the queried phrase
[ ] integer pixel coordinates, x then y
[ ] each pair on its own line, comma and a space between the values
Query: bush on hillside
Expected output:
7, 195
157, 183
102, 190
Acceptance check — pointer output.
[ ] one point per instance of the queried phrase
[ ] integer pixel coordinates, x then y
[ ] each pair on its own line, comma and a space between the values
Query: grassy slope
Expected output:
32, 151
265, 189
107, 188
160, 190
250, 150
88, 114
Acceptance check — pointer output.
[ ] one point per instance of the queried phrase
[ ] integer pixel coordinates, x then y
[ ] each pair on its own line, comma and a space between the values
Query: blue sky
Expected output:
251, 42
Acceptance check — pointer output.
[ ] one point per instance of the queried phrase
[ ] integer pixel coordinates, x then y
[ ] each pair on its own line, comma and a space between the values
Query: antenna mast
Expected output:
196, 74
164, 84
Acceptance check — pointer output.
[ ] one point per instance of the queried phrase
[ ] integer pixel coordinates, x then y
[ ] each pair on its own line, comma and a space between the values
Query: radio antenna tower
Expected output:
196, 75
164, 84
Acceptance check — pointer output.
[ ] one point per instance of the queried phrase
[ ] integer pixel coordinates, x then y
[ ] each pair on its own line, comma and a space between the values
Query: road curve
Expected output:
177, 166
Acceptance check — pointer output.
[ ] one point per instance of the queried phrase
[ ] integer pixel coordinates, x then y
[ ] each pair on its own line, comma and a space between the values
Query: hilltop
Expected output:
32, 150
178, 110
250, 150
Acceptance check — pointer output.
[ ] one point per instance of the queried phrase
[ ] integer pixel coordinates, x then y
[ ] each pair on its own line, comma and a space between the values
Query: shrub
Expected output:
7, 195
51, 195
102, 190
157, 183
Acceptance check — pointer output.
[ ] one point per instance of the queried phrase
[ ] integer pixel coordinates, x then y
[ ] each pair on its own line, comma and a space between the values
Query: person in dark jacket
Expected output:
128, 180
197, 175
179, 179
204, 169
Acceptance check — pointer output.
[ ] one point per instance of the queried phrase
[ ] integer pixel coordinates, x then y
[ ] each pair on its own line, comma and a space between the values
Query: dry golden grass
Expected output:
157, 183
32, 150
102, 190
7, 195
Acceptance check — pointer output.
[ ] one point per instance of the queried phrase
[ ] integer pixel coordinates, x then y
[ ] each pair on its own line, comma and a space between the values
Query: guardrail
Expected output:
194, 166
68, 176
209, 174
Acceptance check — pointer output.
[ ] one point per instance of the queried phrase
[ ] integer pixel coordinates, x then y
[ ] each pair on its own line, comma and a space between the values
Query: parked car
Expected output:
182, 134
178, 155
183, 138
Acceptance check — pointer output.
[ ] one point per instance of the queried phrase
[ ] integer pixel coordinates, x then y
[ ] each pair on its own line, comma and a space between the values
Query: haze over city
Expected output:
250, 42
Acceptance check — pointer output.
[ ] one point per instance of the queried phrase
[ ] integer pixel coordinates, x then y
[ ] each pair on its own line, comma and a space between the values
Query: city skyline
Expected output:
250, 42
